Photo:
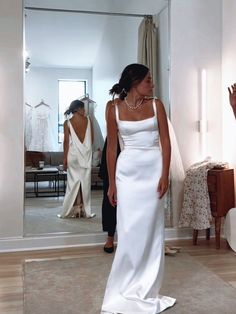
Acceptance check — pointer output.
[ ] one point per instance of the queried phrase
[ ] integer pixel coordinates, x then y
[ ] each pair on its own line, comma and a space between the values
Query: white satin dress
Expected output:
136, 275
79, 161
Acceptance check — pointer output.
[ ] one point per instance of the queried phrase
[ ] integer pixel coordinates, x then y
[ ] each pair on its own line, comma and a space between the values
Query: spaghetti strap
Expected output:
117, 113
154, 107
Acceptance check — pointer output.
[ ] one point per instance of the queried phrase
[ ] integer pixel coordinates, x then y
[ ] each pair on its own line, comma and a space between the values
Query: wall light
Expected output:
203, 124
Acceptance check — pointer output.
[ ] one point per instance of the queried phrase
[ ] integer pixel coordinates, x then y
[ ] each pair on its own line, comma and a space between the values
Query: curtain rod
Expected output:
87, 12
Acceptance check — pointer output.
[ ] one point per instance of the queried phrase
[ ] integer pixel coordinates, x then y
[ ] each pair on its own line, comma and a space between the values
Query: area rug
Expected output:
76, 286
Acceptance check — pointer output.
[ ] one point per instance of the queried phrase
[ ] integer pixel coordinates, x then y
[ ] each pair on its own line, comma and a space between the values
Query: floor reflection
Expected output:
41, 216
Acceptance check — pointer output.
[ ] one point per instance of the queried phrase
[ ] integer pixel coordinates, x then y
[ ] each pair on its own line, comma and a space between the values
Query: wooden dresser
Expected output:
221, 191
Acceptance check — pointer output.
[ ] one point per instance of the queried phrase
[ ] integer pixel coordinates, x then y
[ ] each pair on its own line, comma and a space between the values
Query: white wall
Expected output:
196, 30
195, 43
228, 78
117, 49
163, 66
11, 119
42, 83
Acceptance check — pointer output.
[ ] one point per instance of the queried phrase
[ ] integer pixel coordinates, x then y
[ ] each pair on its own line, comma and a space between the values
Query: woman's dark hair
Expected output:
74, 106
132, 74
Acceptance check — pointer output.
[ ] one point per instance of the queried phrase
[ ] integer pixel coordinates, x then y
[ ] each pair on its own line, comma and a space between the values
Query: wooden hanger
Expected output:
28, 105
42, 103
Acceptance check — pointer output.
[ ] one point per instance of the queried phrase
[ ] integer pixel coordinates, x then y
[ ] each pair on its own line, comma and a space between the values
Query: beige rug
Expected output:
76, 286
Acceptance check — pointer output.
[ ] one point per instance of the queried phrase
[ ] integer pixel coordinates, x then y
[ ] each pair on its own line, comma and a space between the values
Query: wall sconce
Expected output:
27, 64
203, 123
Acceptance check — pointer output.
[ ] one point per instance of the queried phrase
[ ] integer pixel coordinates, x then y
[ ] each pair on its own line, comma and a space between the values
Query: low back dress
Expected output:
79, 163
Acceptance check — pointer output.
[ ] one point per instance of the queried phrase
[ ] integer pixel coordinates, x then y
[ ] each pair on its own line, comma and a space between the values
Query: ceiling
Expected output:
60, 39
55, 39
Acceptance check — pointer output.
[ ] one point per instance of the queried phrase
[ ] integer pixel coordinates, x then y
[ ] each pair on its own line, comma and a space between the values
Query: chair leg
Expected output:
208, 233
195, 235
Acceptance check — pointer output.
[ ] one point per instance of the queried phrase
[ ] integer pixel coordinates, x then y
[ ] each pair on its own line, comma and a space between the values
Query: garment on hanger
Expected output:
90, 106
28, 124
42, 139
196, 211
86, 98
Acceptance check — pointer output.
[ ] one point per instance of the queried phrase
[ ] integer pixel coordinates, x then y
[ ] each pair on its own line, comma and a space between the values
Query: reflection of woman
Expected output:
232, 97
78, 137
108, 211
137, 183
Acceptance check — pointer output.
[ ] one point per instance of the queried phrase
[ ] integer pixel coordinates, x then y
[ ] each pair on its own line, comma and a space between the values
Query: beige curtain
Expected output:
147, 45
147, 55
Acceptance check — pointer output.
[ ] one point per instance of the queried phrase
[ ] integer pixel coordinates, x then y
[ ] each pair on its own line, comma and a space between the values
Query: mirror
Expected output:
71, 55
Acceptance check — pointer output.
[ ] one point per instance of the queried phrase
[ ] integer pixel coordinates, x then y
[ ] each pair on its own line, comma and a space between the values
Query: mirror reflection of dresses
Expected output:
90, 106
41, 133
28, 125
79, 161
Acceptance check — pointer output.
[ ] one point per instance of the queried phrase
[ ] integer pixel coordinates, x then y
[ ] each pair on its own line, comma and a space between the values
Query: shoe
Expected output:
108, 249
92, 215
78, 211
169, 251
176, 248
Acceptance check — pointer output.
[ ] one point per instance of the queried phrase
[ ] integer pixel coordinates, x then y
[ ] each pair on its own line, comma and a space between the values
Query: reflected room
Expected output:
75, 56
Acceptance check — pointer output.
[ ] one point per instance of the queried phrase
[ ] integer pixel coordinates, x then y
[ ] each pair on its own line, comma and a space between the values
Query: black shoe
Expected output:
108, 249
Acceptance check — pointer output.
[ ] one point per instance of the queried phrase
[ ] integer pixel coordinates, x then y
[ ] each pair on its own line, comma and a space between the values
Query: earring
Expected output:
123, 91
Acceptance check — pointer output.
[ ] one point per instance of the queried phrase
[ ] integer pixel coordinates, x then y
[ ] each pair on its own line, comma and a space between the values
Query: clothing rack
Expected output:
86, 12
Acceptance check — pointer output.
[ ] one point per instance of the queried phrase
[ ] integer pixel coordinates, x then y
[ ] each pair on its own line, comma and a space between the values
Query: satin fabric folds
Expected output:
136, 275
78, 172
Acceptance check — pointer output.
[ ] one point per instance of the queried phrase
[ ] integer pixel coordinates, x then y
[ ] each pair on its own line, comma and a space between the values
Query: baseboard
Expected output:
54, 241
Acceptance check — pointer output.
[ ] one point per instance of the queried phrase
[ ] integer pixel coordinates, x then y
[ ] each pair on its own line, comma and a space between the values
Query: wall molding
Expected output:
55, 241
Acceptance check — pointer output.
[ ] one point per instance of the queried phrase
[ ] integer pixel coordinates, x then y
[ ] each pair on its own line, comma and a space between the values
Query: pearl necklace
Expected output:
133, 107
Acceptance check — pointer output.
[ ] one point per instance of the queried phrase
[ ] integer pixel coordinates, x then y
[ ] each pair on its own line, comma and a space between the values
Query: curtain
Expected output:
147, 55
147, 45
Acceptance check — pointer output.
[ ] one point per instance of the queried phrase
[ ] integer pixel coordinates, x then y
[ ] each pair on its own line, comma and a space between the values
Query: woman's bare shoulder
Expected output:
113, 102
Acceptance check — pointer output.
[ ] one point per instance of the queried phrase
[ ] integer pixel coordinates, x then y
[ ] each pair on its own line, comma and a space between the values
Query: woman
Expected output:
108, 211
232, 98
78, 139
137, 184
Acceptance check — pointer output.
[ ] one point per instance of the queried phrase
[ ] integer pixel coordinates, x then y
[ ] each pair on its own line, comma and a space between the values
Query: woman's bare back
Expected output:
79, 124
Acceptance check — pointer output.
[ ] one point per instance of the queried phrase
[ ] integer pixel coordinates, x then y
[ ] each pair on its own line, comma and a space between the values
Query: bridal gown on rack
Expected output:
79, 161
136, 275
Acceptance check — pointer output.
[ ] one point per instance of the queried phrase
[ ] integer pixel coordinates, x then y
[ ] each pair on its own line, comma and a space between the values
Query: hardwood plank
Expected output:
222, 262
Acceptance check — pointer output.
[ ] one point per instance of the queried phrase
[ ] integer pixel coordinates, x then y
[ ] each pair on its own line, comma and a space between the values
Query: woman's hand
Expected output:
65, 164
232, 97
162, 186
112, 195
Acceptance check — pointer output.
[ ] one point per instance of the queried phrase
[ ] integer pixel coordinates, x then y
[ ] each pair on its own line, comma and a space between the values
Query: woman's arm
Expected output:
111, 152
166, 148
66, 144
232, 98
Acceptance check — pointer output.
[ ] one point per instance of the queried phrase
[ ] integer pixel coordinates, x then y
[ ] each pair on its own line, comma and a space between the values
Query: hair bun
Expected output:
116, 89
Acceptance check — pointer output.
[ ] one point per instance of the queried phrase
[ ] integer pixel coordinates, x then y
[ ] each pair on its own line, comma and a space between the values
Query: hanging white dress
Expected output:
79, 160
28, 125
136, 275
42, 139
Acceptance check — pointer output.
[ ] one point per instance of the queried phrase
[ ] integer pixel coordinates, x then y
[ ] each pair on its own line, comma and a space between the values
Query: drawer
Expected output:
211, 179
213, 198
211, 187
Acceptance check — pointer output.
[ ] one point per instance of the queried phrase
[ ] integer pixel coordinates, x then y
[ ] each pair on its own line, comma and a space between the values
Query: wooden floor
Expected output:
222, 262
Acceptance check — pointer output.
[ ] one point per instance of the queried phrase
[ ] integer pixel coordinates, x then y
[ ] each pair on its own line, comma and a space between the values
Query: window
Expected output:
69, 90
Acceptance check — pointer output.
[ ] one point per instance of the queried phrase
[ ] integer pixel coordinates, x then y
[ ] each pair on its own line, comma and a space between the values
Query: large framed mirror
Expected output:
74, 54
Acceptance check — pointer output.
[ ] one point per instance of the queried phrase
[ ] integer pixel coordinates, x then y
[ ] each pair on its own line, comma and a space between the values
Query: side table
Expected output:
221, 192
